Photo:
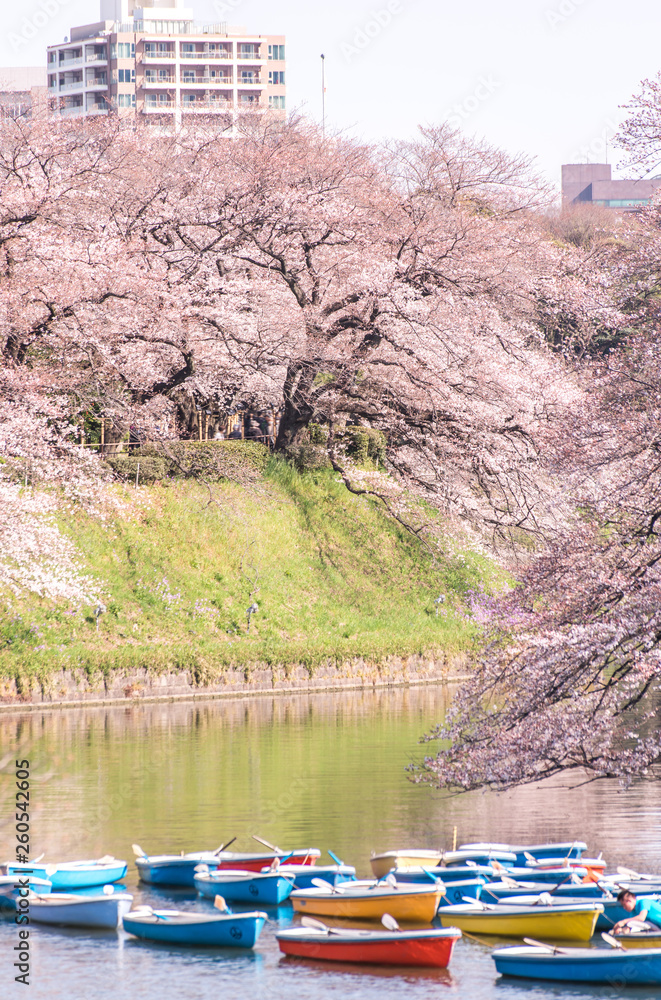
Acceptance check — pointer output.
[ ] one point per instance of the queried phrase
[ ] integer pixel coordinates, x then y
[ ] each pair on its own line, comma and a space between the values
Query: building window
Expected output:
125, 50
277, 77
126, 101
277, 102
248, 51
127, 76
188, 76
276, 52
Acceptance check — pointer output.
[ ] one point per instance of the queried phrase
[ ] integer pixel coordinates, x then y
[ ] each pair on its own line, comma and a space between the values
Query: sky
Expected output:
543, 77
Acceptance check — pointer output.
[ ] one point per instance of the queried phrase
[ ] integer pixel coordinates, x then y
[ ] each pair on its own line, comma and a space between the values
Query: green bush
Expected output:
215, 460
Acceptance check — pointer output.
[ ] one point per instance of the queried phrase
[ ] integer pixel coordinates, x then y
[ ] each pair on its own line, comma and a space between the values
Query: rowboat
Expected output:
612, 910
568, 923
457, 873
554, 876
236, 930
268, 888
639, 887
370, 900
594, 867
67, 910
179, 869
566, 849
73, 874
404, 947
583, 890
383, 863
455, 892
639, 939
479, 856
173, 869
581, 965
303, 874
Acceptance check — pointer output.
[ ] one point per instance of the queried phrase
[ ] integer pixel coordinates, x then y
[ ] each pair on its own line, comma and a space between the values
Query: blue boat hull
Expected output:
270, 891
448, 875
611, 968
235, 931
65, 879
179, 872
456, 892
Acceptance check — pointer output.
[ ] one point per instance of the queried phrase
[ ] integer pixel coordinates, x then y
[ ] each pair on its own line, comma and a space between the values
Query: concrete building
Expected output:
22, 90
591, 183
152, 59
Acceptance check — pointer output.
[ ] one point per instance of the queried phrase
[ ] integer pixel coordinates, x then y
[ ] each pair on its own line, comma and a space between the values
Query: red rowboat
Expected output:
256, 862
334, 944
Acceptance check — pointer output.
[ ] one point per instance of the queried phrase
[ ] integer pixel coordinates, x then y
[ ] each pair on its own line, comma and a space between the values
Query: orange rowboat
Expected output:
420, 947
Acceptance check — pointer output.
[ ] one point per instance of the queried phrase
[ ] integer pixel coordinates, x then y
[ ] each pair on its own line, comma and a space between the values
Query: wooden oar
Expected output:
223, 847
220, 904
271, 847
613, 942
138, 851
547, 947
105, 860
390, 923
630, 874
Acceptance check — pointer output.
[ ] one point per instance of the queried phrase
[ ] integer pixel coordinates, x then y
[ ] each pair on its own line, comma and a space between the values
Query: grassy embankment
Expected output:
334, 577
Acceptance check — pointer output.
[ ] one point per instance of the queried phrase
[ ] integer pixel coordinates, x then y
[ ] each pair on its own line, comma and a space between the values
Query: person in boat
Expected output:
642, 911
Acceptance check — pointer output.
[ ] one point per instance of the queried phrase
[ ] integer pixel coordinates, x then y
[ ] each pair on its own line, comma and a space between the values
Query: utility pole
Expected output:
323, 96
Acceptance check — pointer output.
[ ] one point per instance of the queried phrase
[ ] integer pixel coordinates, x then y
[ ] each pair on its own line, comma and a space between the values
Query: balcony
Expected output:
252, 81
161, 81
95, 84
216, 56
159, 105
158, 57
207, 81
98, 109
69, 63
96, 57
72, 85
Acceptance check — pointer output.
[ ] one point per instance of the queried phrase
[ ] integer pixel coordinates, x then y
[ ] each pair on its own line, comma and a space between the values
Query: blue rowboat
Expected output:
639, 887
203, 930
458, 873
267, 888
71, 910
73, 874
550, 875
479, 856
456, 892
581, 965
303, 874
173, 869
565, 849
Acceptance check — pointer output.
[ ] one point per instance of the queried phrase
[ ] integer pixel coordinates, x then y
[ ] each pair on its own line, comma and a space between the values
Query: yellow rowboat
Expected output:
383, 863
638, 939
575, 922
369, 901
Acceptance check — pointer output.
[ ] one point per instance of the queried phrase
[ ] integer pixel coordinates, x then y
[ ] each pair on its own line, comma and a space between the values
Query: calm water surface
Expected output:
322, 770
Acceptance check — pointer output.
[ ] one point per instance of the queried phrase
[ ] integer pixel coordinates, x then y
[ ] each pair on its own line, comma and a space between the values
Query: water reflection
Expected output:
321, 770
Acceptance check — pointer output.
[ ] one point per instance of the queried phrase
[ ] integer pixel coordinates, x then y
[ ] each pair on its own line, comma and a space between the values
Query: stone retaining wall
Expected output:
68, 688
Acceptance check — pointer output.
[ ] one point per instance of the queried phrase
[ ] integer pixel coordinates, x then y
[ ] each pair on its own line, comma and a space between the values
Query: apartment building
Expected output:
22, 91
154, 60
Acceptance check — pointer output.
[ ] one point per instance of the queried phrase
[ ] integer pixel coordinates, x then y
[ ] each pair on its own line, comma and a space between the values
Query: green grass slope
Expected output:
333, 576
